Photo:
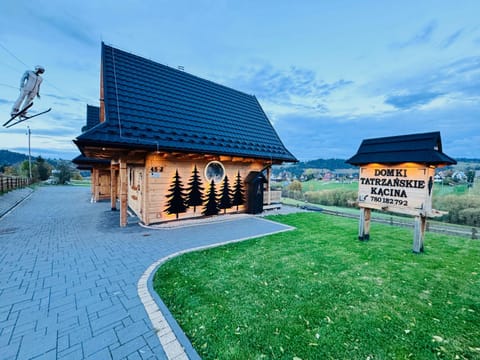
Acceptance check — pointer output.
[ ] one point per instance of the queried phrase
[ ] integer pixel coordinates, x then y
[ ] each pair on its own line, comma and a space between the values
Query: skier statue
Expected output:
29, 88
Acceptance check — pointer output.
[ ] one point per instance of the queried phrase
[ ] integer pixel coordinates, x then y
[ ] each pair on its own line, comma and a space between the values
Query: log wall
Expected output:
149, 185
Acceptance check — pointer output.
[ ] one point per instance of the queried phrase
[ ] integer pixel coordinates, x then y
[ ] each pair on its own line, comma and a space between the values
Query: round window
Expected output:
214, 171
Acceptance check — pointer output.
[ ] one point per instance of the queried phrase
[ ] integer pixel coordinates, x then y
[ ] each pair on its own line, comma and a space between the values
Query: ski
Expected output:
19, 113
29, 117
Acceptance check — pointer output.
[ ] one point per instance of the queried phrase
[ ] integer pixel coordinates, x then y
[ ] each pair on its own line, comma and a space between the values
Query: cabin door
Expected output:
135, 190
140, 187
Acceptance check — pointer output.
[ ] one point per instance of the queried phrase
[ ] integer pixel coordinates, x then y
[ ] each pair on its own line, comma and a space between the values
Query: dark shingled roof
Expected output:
423, 148
93, 119
86, 163
93, 116
152, 106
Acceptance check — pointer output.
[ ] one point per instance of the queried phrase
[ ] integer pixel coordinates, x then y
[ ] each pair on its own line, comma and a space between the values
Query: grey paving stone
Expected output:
69, 274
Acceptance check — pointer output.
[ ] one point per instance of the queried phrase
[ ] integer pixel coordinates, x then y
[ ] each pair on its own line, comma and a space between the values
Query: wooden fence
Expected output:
8, 183
439, 228
275, 197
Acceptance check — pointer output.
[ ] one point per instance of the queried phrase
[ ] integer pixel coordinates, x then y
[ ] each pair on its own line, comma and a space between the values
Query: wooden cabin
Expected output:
175, 142
99, 168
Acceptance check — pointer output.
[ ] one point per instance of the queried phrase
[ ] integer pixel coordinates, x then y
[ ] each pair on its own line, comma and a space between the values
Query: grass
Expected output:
442, 190
80, 182
438, 189
316, 185
319, 293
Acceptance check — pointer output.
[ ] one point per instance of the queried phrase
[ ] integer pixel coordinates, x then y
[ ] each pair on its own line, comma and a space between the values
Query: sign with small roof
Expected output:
397, 175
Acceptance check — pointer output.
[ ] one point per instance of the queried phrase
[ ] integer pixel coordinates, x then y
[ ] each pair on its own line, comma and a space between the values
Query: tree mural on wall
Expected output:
238, 192
211, 207
195, 190
225, 197
176, 203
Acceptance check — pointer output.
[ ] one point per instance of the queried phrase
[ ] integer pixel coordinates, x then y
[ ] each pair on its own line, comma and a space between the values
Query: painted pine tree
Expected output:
238, 192
211, 207
225, 197
176, 203
195, 190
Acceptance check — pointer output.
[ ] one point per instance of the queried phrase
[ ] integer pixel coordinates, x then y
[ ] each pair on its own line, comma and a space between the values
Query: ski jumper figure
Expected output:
29, 88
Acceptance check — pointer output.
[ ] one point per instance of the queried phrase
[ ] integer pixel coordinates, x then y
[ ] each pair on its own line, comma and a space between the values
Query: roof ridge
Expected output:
151, 105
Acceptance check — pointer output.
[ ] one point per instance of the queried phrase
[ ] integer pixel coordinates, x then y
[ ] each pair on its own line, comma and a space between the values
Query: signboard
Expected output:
404, 188
155, 172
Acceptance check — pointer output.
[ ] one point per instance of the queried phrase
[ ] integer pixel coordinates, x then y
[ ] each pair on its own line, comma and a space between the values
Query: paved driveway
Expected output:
69, 275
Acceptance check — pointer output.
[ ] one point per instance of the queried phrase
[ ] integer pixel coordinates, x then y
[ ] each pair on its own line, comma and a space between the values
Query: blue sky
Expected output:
327, 73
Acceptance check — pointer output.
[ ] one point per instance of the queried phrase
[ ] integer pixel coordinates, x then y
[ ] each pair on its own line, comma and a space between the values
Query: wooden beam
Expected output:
364, 224
123, 192
113, 187
96, 185
419, 233
269, 196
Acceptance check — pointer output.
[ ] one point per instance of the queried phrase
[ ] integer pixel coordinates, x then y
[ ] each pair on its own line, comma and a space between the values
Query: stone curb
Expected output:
11, 199
174, 341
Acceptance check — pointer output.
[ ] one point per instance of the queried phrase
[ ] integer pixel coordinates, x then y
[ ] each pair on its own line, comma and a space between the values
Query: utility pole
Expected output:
29, 154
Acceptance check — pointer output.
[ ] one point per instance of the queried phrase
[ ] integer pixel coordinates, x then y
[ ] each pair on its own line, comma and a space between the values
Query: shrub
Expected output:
334, 197
470, 216
461, 209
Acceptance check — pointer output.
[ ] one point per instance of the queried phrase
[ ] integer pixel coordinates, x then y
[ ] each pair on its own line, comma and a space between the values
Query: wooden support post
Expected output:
92, 184
269, 191
95, 187
418, 234
364, 224
123, 193
113, 188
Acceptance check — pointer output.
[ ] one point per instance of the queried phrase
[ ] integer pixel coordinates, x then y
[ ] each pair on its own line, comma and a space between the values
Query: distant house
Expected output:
459, 176
164, 131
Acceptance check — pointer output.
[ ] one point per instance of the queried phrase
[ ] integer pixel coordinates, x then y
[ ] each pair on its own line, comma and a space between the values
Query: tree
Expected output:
211, 207
295, 185
43, 168
63, 172
25, 170
10, 170
238, 192
176, 203
470, 176
195, 190
225, 198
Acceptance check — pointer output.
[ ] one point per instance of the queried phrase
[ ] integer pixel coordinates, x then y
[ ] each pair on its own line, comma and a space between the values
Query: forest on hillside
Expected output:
9, 158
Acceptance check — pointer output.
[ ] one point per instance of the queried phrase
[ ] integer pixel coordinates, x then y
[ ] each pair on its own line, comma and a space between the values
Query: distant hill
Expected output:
10, 158
330, 164
298, 168
337, 164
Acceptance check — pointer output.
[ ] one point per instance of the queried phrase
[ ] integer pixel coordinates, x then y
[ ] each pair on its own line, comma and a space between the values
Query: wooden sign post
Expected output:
404, 188
396, 175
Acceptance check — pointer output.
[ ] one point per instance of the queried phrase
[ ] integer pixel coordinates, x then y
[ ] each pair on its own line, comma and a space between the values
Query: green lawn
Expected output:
319, 293
442, 190
316, 185
438, 189
81, 182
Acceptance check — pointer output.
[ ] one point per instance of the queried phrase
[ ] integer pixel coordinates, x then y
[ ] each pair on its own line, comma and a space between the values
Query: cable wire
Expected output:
116, 93
83, 98
13, 55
